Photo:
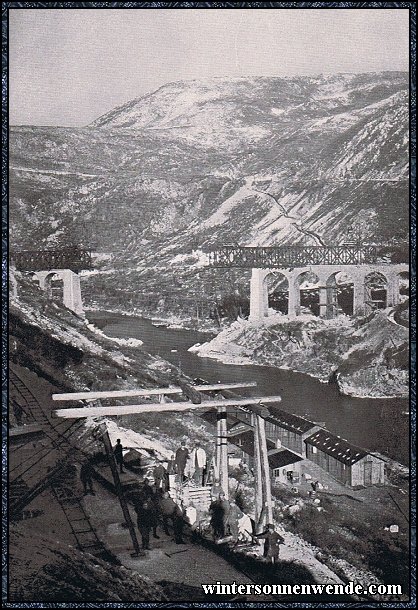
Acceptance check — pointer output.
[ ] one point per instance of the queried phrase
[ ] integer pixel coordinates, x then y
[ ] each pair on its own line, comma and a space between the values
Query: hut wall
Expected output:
288, 439
368, 471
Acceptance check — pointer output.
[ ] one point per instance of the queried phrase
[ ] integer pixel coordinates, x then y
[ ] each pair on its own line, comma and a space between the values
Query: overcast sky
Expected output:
69, 66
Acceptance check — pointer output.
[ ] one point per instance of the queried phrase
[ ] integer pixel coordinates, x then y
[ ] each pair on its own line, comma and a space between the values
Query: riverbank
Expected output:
379, 425
169, 320
365, 357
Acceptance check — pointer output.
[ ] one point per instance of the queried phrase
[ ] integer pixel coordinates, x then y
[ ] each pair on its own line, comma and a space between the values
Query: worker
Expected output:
171, 472
86, 477
182, 454
219, 510
272, 542
145, 520
118, 453
160, 476
170, 511
198, 458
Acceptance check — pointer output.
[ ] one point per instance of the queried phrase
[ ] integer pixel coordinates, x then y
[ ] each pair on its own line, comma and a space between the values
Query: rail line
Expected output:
61, 479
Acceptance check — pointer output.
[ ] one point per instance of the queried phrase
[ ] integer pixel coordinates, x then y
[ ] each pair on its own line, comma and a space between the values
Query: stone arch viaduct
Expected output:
47, 266
293, 262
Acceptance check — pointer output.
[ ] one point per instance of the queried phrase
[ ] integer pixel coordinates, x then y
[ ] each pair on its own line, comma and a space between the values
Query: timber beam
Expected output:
112, 411
216, 387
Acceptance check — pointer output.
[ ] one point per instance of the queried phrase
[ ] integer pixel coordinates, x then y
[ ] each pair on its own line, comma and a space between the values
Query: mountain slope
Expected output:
258, 161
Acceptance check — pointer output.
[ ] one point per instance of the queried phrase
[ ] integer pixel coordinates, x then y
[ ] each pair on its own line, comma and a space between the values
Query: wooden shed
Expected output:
288, 430
285, 466
345, 462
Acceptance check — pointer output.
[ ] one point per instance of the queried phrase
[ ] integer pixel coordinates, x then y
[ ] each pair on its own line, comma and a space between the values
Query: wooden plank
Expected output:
151, 392
158, 408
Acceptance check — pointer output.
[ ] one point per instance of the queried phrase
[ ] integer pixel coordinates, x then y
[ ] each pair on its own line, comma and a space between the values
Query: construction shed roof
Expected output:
337, 447
242, 435
289, 421
283, 457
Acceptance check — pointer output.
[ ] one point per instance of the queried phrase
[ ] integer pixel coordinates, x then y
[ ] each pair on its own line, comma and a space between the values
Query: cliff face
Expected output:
258, 161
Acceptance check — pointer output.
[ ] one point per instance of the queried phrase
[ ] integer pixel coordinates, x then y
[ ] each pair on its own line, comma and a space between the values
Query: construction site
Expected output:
73, 393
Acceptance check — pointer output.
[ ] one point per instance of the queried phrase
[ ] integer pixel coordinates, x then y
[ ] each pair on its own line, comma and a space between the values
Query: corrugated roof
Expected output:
289, 421
337, 447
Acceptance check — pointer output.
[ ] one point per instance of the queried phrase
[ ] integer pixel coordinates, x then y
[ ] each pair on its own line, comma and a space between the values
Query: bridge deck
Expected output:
73, 258
291, 256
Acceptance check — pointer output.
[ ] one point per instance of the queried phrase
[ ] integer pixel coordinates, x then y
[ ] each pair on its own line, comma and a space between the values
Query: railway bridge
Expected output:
292, 265
57, 270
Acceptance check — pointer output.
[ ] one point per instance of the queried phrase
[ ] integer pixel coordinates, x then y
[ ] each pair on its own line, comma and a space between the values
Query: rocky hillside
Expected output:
54, 571
366, 357
200, 163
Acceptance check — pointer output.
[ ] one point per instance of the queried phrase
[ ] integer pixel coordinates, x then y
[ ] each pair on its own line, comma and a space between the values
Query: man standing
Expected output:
199, 463
171, 511
272, 542
86, 477
171, 472
118, 452
219, 510
182, 454
146, 518
160, 477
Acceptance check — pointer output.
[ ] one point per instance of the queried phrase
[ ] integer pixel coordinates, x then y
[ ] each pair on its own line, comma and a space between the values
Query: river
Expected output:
375, 424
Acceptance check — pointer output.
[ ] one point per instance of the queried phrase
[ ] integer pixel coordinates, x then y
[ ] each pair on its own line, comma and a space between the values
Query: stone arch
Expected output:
339, 294
277, 286
62, 285
54, 286
376, 285
35, 278
307, 292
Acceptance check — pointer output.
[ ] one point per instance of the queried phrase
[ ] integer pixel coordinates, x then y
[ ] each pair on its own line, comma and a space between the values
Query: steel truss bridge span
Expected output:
74, 258
291, 256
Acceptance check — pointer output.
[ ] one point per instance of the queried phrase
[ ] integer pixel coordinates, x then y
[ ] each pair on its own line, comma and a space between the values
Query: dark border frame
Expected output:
5, 227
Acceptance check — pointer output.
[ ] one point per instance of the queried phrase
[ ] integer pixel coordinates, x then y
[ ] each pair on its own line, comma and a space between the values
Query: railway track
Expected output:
33, 475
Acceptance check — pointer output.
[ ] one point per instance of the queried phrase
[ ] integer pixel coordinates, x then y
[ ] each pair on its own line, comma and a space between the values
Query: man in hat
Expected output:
160, 476
219, 509
198, 457
272, 542
171, 472
182, 454
118, 453
86, 477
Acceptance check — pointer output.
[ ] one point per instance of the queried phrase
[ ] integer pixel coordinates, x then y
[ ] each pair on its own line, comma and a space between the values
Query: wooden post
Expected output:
265, 469
218, 445
258, 489
223, 451
127, 516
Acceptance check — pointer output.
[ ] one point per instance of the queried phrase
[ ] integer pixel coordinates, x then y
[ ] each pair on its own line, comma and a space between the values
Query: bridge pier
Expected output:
71, 287
258, 294
359, 295
293, 301
392, 290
